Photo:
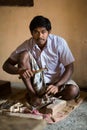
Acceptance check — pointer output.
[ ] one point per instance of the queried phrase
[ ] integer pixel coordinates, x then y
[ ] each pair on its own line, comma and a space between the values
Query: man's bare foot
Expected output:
33, 100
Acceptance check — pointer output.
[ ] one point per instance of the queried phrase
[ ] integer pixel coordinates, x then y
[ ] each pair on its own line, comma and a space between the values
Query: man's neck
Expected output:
42, 47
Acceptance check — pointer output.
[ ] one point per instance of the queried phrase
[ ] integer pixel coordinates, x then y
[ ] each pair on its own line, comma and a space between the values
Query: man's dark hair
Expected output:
40, 21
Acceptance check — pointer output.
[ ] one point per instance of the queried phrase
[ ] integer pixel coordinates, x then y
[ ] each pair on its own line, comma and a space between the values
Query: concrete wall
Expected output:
69, 20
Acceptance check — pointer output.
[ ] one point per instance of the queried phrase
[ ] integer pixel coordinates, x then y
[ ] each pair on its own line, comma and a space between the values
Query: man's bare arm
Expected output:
63, 79
9, 66
66, 75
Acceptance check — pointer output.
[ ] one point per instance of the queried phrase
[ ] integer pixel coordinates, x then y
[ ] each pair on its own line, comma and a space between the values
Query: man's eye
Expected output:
36, 32
44, 31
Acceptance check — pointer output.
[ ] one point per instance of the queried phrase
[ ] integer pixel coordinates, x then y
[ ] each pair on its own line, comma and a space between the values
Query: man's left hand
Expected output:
52, 89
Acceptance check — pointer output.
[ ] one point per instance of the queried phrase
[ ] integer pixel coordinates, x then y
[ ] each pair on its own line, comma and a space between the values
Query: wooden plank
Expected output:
28, 115
16, 123
54, 107
16, 2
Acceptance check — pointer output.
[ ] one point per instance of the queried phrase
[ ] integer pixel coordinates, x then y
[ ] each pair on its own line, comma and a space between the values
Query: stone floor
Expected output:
77, 120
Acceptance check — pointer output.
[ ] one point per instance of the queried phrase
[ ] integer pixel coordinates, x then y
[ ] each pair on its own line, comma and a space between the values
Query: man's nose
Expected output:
40, 35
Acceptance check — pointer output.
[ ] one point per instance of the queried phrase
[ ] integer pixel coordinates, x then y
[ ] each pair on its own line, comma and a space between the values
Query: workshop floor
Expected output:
77, 120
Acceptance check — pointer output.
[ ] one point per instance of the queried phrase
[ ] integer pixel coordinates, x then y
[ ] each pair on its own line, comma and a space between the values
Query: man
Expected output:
44, 50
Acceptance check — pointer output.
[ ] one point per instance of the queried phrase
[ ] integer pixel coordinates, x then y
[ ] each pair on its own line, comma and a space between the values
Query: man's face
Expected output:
40, 36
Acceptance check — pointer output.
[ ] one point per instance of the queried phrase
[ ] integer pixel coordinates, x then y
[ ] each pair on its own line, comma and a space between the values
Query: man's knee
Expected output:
23, 59
74, 91
70, 92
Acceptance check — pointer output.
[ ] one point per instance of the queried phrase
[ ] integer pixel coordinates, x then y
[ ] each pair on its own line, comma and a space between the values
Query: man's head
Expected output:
40, 28
40, 21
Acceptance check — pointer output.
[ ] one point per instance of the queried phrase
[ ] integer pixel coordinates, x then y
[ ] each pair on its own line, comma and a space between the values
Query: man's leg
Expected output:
24, 62
69, 92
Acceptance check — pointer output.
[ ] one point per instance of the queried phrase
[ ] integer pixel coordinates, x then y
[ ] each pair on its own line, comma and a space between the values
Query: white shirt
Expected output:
55, 55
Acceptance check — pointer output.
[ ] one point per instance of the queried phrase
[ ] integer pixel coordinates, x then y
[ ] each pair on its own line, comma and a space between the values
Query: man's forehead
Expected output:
40, 29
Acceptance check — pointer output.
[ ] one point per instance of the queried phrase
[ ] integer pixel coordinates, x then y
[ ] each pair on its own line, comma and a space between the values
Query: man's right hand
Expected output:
25, 73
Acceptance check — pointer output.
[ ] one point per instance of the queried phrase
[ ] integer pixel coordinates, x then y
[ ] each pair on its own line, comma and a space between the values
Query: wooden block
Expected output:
17, 123
5, 88
28, 115
54, 107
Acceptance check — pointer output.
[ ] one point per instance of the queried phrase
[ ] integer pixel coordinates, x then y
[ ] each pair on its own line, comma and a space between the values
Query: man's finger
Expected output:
50, 90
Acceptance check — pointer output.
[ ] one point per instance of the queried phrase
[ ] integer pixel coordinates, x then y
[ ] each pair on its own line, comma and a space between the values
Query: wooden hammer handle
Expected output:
36, 71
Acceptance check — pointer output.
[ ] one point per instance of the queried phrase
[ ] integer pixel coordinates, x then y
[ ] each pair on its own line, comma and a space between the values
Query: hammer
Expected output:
36, 71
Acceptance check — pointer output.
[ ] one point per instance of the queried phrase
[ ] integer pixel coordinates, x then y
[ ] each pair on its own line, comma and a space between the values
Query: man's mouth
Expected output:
40, 39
